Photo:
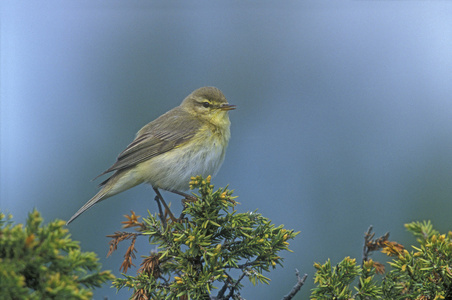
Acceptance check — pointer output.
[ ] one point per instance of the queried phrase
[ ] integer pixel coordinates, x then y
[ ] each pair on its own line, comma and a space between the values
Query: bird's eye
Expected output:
206, 104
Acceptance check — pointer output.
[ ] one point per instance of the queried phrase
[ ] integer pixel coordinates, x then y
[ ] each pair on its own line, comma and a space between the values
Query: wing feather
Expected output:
167, 132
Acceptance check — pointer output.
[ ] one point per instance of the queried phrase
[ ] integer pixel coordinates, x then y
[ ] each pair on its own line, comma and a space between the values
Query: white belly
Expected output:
172, 170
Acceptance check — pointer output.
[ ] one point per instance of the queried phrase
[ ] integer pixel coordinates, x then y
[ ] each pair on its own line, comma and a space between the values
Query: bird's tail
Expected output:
119, 182
101, 195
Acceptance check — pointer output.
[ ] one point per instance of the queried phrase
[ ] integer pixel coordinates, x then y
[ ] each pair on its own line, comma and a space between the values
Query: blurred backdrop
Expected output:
344, 113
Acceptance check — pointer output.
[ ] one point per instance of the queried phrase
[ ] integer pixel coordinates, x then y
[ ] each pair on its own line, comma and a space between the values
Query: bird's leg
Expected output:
162, 216
187, 196
167, 209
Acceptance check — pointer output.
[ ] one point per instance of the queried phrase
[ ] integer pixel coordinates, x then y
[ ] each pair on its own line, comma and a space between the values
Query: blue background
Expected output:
343, 120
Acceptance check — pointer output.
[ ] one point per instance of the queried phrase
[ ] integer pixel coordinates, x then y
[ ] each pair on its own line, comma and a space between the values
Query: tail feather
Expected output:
98, 197
117, 183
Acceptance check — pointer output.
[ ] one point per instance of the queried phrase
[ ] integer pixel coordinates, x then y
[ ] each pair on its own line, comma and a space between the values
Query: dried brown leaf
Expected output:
375, 244
379, 267
118, 237
140, 295
132, 221
150, 265
392, 248
129, 256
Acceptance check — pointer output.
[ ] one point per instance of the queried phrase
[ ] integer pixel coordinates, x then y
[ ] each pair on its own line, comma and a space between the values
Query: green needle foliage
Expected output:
424, 273
335, 283
42, 262
213, 247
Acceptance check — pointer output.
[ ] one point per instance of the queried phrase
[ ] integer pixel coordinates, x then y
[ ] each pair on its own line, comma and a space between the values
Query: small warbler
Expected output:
188, 140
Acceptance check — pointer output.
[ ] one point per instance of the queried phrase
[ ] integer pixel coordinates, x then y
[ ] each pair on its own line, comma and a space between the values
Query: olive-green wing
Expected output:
167, 132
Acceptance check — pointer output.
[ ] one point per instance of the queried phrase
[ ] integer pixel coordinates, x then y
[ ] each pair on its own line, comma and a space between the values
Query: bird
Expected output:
189, 140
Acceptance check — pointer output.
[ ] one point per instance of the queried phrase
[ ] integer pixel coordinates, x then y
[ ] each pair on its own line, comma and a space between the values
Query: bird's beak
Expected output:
227, 107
